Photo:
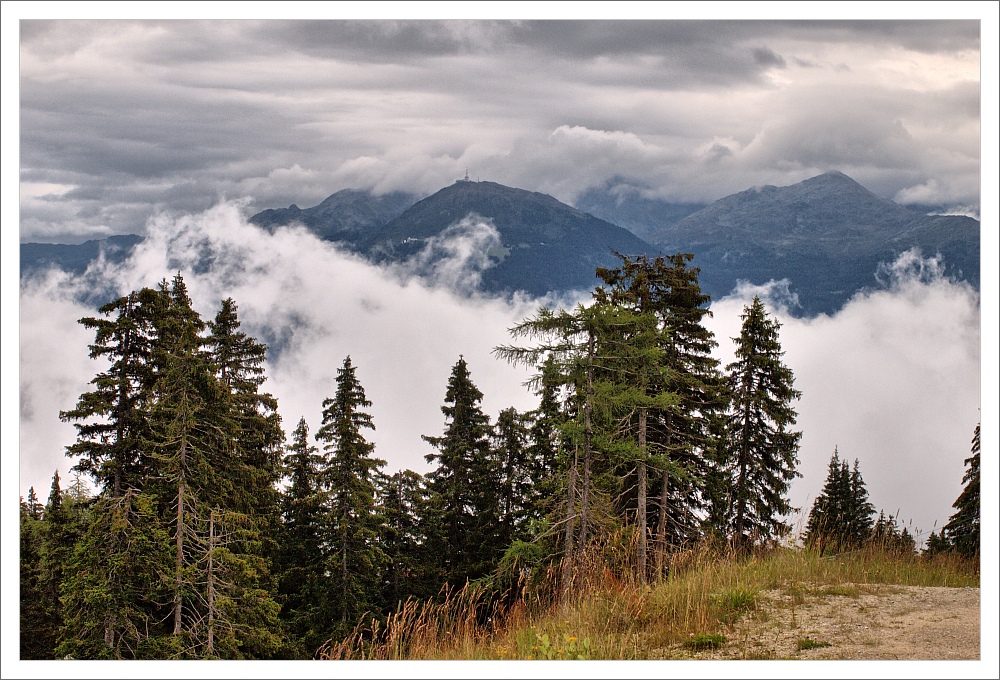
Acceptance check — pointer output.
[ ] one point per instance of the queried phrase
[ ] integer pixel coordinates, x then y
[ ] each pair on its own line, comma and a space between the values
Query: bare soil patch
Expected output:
855, 622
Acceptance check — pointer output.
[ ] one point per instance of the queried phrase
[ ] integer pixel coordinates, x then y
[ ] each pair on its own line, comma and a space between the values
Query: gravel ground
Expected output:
854, 622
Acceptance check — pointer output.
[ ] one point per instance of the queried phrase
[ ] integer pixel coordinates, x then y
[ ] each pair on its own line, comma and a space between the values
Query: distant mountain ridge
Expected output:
343, 215
548, 245
827, 235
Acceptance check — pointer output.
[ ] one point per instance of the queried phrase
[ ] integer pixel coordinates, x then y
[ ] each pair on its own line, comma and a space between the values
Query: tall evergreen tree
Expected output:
514, 476
349, 480
679, 435
302, 568
164, 426
962, 528
762, 451
238, 361
461, 486
202, 484
111, 420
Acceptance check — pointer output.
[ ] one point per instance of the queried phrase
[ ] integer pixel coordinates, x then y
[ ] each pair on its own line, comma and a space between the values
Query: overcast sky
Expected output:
198, 124
123, 119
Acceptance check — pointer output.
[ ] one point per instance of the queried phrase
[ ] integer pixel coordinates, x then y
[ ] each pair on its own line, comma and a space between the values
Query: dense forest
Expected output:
194, 527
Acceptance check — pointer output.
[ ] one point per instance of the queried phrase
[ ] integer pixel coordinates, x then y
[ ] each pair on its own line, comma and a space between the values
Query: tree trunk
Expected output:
570, 526
211, 583
661, 528
641, 512
587, 434
179, 563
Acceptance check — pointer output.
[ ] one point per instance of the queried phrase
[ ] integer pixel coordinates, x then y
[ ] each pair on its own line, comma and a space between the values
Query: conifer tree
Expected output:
963, 527
458, 512
679, 434
60, 530
762, 452
545, 441
111, 420
514, 476
348, 478
841, 516
201, 482
32, 618
119, 586
400, 502
238, 361
302, 581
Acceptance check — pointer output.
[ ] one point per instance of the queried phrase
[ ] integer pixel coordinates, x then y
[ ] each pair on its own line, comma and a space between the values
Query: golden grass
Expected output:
608, 615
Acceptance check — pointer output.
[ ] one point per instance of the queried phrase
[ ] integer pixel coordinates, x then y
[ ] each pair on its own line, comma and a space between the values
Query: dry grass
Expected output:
606, 614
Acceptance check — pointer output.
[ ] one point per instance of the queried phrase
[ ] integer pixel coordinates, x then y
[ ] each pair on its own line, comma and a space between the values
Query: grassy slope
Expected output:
615, 618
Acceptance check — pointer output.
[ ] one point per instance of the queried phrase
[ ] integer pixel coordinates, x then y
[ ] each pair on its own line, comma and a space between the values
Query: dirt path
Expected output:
856, 622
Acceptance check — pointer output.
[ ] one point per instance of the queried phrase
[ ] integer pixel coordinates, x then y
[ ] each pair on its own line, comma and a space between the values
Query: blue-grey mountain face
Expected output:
545, 245
827, 235
344, 216
36, 257
626, 207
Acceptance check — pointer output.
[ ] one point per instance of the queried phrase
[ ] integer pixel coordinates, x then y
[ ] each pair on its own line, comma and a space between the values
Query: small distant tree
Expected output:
963, 527
841, 516
887, 535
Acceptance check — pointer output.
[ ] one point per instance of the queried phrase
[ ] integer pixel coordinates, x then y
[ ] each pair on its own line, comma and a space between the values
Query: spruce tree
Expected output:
60, 531
680, 435
33, 629
963, 527
221, 606
458, 513
348, 478
841, 516
119, 586
400, 504
238, 362
761, 450
302, 569
514, 476
111, 420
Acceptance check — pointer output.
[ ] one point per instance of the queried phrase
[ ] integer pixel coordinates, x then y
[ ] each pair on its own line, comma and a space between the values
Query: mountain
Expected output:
36, 257
345, 215
827, 235
625, 206
545, 245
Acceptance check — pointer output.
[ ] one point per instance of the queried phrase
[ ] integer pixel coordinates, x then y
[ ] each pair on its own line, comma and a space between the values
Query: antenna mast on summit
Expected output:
467, 175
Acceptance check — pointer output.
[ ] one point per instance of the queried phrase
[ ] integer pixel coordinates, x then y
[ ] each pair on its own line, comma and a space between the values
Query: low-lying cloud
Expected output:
892, 379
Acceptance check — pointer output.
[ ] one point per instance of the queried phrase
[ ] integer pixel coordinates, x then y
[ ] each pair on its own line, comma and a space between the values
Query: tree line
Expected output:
211, 536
